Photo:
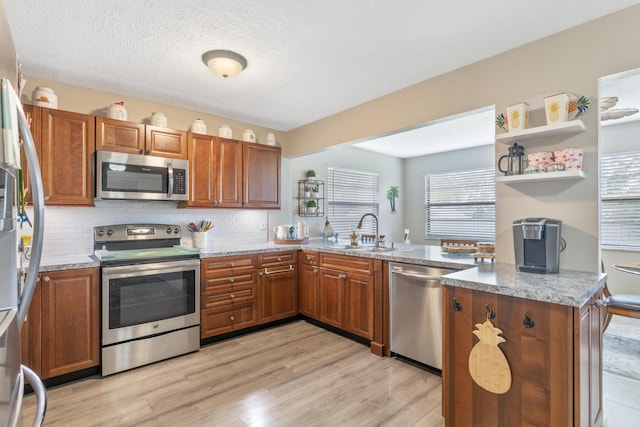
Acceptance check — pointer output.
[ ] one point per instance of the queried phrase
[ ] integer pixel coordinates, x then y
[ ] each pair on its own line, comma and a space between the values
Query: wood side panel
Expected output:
31, 344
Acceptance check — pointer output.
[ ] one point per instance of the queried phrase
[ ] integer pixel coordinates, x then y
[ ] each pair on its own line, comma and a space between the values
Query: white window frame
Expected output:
350, 194
452, 200
620, 200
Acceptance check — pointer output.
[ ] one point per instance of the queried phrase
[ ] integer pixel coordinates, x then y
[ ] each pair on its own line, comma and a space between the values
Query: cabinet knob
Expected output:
315, 270
279, 259
231, 280
231, 296
342, 276
308, 258
528, 321
231, 264
37, 279
232, 318
46, 279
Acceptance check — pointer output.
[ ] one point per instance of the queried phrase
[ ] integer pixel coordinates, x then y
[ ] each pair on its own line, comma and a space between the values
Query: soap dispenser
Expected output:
328, 229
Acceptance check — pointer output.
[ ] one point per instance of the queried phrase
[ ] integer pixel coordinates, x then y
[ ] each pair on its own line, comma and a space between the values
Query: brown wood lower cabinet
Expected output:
228, 294
555, 363
308, 283
346, 293
63, 327
277, 286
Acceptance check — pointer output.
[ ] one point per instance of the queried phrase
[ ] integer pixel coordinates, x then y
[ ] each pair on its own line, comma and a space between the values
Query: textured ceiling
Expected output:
307, 59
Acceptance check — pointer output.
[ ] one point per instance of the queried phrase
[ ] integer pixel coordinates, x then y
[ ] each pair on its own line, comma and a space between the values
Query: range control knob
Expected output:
100, 232
109, 232
168, 230
176, 230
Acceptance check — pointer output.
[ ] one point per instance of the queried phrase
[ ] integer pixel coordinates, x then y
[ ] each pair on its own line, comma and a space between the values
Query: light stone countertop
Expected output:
571, 288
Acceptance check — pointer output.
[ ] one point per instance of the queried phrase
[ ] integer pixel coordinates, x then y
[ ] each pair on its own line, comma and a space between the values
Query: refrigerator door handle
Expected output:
38, 213
41, 395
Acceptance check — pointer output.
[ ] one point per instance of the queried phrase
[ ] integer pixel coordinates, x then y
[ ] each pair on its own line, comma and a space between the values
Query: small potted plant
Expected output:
307, 192
311, 207
314, 192
311, 175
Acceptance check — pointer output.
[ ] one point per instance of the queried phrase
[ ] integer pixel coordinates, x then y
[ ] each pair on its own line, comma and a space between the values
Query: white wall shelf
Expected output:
542, 132
540, 177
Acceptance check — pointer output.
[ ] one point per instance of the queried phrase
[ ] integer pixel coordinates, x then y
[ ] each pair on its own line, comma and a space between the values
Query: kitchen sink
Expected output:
343, 247
376, 249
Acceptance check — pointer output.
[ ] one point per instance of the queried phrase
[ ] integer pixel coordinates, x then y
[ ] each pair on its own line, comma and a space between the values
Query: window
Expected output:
461, 204
351, 194
620, 207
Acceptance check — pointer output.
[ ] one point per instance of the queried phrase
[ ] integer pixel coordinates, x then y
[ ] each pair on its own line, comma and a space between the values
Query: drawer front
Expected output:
308, 258
276, 259
347, 263
240, 278
227, 266
228, 318
227, 294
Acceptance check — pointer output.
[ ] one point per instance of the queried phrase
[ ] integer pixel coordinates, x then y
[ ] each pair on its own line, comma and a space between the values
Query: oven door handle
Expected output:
151, 268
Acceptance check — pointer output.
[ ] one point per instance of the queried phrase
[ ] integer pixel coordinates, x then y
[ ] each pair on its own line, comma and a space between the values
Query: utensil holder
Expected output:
200, 239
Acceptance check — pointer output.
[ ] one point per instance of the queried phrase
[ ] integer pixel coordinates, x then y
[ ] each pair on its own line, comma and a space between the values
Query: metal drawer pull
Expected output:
267, 272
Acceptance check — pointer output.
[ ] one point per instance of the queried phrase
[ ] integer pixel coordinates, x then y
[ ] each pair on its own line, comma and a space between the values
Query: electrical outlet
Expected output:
263, 225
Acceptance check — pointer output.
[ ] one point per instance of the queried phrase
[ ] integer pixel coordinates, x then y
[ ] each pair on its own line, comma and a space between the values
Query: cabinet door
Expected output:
277, 295
540, 359
229, 175
31, 333
119, 135
70, 321
261, 176
68, 145
165, 142
203, 170
358, 305
331, 296
308, 290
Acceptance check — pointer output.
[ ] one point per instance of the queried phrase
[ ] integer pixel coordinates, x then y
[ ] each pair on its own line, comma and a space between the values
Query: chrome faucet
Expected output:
377, 240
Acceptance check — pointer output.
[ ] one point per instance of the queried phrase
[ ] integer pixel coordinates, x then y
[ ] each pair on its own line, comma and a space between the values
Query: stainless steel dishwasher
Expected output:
415, 298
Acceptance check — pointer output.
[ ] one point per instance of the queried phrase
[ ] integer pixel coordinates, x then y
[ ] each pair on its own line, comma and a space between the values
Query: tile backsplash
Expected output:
69, 230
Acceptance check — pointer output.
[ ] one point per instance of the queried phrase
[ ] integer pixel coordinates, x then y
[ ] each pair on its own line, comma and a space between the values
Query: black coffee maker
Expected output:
537, 244
515, 160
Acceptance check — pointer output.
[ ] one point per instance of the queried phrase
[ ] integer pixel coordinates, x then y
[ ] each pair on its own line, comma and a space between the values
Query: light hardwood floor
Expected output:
292, 375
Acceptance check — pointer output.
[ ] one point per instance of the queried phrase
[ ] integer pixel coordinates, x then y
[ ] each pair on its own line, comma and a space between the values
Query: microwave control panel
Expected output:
179, 180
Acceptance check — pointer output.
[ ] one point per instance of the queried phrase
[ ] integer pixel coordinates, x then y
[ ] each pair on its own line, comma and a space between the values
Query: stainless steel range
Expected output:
150, 294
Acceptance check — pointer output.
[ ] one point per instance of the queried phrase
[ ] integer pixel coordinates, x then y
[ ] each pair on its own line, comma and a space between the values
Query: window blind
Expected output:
620, 204
461, 204
351, 194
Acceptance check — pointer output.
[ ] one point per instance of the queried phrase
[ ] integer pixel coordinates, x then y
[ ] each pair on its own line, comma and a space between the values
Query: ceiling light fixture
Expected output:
224, 63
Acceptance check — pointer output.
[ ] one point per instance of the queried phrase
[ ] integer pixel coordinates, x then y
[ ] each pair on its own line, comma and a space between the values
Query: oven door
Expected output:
148, 299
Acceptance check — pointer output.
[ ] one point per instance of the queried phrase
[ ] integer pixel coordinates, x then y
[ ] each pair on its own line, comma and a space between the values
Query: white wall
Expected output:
390, 171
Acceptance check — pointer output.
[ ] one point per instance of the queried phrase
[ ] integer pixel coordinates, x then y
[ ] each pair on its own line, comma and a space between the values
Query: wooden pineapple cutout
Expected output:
488, 365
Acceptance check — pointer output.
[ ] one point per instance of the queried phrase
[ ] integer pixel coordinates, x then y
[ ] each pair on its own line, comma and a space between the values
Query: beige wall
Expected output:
570, 61
89, 101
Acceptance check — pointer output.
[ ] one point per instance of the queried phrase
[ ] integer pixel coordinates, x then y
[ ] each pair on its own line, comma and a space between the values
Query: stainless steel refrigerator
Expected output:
16, 287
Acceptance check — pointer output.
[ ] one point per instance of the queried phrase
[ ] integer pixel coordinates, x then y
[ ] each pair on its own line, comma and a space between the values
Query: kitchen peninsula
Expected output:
551, 327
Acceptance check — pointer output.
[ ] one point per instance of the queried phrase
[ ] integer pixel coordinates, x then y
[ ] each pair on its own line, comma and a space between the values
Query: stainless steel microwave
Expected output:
125, 176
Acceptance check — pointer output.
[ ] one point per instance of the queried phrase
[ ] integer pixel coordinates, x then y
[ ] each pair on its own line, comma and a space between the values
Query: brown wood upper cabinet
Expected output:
261, 176
136, 138
66, 156
215, 172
